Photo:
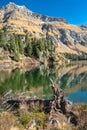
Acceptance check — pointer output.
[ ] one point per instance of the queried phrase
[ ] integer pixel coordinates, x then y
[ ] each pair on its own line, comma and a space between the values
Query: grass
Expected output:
9, 122
27, 117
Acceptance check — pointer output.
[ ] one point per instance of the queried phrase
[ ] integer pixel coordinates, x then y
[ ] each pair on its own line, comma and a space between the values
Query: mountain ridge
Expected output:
26, 11
68, 38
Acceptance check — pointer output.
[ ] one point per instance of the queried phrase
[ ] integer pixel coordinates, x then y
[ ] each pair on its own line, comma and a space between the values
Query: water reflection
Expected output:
71, 78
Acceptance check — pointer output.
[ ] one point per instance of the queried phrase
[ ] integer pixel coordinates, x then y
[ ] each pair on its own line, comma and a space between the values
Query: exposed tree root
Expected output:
59, 106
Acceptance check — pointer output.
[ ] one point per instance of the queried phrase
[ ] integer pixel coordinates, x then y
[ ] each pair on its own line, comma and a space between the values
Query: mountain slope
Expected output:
67, 38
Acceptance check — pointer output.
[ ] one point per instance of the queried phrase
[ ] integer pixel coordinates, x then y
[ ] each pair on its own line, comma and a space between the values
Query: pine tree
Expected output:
21, 45
11, 44
29, 48
37, 52
2, 38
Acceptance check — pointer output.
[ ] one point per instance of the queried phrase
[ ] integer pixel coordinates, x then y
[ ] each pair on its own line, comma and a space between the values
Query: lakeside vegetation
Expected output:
34, 120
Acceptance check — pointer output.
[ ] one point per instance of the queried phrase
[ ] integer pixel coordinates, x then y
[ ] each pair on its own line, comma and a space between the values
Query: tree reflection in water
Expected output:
71, 78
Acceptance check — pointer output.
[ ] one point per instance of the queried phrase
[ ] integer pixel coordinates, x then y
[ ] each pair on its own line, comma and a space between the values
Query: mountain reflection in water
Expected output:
71, 78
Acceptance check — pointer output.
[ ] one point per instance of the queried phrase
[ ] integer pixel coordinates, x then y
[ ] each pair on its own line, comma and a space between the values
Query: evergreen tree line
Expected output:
75, 57
19, 44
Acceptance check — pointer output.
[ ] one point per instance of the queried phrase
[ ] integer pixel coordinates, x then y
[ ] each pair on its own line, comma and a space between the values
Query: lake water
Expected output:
71, 78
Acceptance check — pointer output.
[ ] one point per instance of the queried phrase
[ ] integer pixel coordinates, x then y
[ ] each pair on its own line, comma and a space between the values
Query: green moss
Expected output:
39, 117
24, 119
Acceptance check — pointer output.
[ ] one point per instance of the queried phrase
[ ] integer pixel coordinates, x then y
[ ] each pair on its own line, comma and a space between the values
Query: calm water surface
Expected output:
71, 78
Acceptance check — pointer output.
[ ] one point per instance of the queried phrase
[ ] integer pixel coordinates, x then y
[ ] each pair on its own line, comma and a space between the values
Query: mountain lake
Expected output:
36, 82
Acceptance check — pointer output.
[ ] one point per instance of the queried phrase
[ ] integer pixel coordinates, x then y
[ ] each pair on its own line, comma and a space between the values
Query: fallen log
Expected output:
38, 104
58, 103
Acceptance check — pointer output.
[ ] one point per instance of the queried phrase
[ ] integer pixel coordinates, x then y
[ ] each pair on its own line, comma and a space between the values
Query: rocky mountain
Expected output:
68, 38
84, 26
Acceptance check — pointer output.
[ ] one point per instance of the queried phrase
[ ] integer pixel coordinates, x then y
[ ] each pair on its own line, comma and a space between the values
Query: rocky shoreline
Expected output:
8, 63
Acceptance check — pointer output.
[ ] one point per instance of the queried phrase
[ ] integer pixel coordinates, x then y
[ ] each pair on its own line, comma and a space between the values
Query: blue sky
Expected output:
74, 11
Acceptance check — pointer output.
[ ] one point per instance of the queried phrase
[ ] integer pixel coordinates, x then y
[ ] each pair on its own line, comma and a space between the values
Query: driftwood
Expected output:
59, 103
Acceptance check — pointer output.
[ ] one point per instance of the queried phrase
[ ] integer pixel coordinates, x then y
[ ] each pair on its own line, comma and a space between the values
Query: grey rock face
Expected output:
47, 18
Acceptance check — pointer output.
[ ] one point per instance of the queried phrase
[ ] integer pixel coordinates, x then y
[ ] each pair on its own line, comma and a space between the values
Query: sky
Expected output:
74, 11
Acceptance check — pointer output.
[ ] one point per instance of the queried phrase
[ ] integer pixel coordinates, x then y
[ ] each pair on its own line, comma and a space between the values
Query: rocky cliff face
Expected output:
67, 38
